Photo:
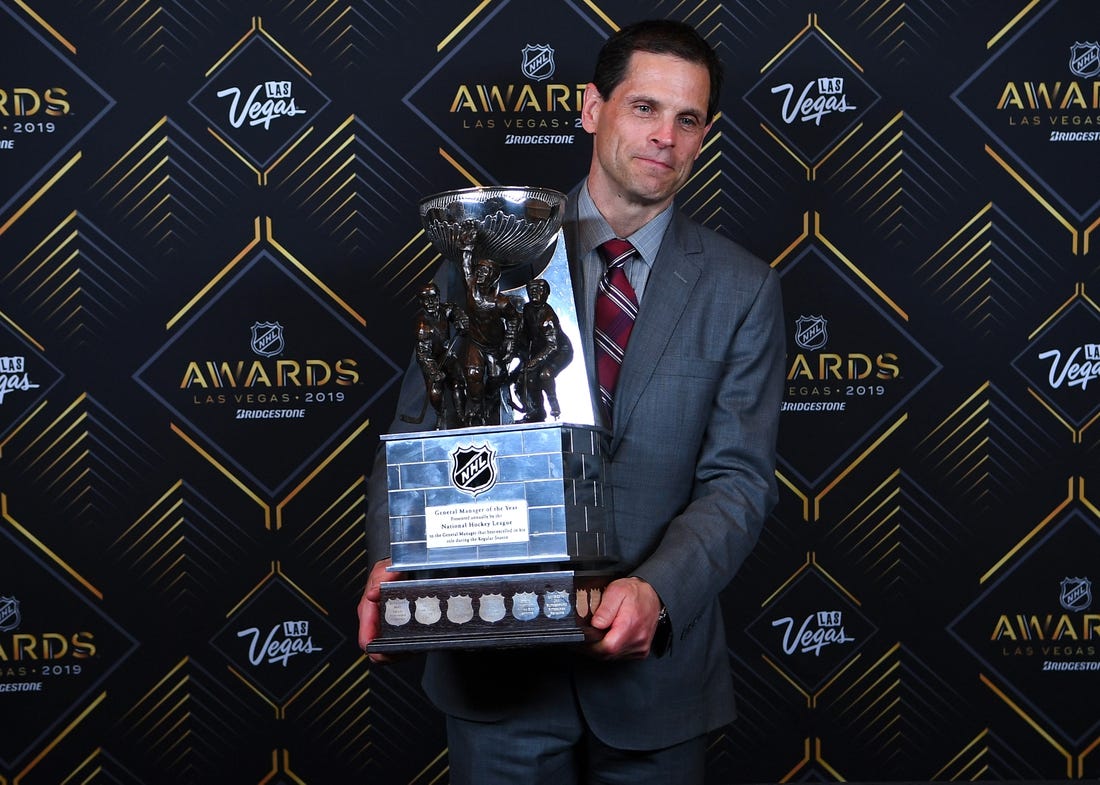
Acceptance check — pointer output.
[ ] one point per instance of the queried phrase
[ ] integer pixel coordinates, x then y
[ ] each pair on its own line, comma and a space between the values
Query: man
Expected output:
693, 424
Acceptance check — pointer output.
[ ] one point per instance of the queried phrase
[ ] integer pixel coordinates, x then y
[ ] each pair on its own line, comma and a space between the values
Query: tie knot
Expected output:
615, 252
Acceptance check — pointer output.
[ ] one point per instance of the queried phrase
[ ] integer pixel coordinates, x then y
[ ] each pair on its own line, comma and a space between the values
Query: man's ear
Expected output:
590, 108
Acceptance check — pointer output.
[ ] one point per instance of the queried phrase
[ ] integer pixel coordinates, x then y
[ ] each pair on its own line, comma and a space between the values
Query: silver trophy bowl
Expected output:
514, 223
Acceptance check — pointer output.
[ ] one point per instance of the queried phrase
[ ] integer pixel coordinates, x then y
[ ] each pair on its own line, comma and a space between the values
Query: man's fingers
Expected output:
608, 610
369, 611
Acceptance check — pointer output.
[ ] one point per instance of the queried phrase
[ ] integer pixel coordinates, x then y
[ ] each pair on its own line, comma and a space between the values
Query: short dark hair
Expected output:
657, 36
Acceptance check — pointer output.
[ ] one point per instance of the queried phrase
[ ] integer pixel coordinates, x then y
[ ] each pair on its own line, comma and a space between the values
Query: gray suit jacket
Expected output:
692, 478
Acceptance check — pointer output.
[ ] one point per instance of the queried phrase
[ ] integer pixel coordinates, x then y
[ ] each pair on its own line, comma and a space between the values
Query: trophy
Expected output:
499, 522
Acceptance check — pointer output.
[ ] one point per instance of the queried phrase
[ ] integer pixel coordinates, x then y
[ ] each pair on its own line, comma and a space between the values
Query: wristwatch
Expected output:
662, 636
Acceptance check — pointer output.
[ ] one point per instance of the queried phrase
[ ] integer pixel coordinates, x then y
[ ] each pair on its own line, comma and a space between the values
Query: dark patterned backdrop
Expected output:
208, 252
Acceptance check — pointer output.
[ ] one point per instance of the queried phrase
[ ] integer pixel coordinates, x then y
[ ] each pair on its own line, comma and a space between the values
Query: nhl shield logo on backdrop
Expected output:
474, 469
538, 62
10, 617
1084, 59
267, 338
1076, 594
810, 332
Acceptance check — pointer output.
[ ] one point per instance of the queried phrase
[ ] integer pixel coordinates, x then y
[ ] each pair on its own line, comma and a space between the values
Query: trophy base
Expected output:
489, 611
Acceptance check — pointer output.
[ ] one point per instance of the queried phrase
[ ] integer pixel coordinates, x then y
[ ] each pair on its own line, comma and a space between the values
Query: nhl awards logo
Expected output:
474, 469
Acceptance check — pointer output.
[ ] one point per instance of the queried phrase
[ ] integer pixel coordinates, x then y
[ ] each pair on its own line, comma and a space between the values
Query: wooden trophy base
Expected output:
489, 611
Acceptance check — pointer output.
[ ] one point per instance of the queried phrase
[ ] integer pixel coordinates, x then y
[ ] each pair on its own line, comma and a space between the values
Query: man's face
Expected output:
650, 131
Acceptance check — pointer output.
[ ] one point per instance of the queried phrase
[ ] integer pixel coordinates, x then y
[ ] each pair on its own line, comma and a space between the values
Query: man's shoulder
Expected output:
695, 238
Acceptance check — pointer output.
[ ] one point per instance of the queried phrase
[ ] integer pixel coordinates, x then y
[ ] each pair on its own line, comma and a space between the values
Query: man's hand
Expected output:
370, 618
628, 612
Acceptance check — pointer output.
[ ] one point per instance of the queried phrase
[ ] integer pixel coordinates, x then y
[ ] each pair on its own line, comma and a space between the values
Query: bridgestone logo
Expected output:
22, 686
1048, 665
813, 406
271, 414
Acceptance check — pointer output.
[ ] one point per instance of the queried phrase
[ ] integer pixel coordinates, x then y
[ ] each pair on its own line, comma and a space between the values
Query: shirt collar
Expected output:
593, 230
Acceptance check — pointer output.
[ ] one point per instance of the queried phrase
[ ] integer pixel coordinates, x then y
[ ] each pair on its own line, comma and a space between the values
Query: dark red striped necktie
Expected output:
616, 310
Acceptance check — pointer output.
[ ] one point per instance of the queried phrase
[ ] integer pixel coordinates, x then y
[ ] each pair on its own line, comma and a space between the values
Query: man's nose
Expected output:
664, 135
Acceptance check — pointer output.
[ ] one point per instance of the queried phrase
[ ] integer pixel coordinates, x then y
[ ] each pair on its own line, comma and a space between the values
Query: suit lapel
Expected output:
668, 291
